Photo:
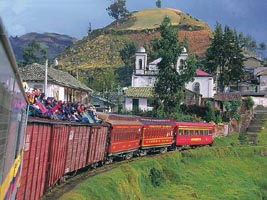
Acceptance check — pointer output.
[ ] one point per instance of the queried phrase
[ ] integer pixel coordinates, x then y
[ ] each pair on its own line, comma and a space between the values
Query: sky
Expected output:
72, 17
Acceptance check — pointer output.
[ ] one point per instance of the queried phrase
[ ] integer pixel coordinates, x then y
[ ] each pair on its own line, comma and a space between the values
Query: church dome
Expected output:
141, 50
184, 50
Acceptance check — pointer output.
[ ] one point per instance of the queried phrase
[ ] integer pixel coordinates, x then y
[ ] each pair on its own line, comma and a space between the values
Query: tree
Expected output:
158, 3
117, 9
261, 49
170, 82
224, 58
34, 53
127, 53
104, 80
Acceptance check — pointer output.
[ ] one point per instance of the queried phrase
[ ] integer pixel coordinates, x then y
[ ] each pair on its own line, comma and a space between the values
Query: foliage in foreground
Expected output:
226, 171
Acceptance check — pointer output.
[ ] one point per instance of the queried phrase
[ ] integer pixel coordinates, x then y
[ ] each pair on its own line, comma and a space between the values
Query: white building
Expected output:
144, 77
60, 85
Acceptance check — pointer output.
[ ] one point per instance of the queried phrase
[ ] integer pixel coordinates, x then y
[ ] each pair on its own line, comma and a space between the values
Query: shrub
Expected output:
249, 103
156, 176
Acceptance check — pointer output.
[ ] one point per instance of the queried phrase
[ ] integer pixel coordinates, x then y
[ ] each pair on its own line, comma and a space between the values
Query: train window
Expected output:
201, 132
206, 132
191, 132
210, 131
185, 132
197, 132
180, 132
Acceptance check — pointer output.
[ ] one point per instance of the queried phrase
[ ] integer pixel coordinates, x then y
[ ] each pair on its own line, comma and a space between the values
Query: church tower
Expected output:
181, 58
140, 61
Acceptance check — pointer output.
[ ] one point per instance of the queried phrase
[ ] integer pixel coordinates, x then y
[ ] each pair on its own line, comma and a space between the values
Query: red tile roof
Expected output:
202, 73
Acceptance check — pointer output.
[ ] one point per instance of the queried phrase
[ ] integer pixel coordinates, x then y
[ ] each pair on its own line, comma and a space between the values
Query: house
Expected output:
139, 95
60, 85
103, 104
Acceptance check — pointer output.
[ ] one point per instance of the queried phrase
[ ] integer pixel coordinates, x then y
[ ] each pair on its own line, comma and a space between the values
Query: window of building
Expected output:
140, 63
135, 104
196, 87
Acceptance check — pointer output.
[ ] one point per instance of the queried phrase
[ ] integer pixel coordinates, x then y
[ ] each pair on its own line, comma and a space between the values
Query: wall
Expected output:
206, 86
260, 101
143, 81
129, 104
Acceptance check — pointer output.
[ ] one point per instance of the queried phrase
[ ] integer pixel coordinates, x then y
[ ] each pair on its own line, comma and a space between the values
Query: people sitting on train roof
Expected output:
49, 107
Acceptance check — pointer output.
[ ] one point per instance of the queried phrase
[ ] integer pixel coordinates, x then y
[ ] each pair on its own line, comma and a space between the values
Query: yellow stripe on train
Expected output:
10, 176
195, 139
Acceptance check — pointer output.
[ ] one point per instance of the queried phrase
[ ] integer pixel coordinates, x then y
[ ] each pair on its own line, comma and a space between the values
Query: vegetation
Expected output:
34, 53
170, 82
141, 27
229, 170
158, 3
127, 53
225, 57
117, 9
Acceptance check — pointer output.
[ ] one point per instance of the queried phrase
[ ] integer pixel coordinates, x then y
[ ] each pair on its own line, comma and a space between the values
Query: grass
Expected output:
227, 170
152, 18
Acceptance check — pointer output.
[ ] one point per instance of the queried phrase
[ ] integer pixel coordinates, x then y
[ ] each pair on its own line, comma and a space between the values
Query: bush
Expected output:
156, 176
249, 103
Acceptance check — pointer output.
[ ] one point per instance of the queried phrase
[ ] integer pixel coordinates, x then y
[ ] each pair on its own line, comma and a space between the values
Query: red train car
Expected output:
157, 135
97, 145
35, 160
124, 137
77, 147
194, 133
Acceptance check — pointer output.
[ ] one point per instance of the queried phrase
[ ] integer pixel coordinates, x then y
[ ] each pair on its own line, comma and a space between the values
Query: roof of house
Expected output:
36, 72
200, 72
141, 92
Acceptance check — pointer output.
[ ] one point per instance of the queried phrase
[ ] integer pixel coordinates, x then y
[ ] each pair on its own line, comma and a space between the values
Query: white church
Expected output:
144, 76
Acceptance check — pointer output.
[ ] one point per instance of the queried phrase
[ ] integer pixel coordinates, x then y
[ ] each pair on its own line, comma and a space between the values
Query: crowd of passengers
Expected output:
49, 107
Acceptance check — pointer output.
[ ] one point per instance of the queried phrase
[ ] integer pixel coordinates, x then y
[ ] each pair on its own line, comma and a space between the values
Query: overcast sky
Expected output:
72, 17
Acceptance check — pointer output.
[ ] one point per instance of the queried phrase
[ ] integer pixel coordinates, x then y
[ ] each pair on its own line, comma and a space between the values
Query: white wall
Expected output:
206, 86
143, 81
260, 101
129, 104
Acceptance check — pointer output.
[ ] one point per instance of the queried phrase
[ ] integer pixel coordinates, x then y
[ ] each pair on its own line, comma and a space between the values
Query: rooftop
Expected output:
36, 72
141, 92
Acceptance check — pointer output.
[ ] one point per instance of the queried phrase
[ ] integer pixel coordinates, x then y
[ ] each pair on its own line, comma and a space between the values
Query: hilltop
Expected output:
101, 47
54, 43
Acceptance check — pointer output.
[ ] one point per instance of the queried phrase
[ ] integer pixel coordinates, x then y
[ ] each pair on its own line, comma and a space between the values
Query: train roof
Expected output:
156, 121
193, 124
116, 119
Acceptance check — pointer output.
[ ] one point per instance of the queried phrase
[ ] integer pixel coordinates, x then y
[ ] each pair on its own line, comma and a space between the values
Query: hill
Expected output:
101, 46
53, 42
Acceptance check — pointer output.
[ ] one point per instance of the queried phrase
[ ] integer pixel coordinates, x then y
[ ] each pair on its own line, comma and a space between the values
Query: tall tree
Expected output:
127, 53
104, 80
158, 3
117, 9
224, 57
33, 53
170, 82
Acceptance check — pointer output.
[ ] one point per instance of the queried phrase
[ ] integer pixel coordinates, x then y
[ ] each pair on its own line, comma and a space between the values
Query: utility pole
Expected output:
45, 82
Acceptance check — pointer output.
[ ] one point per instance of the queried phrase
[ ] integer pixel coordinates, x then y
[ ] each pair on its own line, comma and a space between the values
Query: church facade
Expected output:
144, 76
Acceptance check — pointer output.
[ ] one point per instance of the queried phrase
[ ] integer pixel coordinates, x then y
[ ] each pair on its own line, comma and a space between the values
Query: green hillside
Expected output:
230, 169
101, 47
206, 173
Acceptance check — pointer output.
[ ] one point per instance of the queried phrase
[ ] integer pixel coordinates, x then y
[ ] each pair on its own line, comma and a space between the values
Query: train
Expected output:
55, 150
37, 153
13, 119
